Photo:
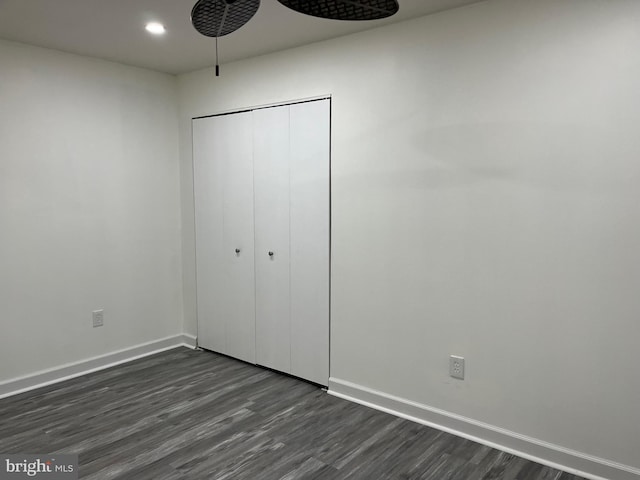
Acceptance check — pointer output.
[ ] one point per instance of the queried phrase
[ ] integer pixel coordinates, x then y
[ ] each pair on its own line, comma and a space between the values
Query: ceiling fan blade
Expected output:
344, 9
216, 18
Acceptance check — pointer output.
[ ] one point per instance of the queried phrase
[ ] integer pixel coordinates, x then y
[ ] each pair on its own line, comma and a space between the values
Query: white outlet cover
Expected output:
456, 367
98, 318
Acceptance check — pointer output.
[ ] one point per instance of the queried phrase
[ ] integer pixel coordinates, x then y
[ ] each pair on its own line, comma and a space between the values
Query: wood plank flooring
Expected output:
194, 415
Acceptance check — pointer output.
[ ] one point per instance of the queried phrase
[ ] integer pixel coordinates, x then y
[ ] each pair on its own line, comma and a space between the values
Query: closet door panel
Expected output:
271, 182
238, 234
209, 200
310, 207
223, 193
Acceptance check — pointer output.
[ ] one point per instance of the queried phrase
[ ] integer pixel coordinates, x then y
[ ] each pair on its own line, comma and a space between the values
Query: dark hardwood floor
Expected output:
187, 414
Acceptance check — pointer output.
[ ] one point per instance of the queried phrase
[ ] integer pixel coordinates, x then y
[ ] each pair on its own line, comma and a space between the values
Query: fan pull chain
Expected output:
217, 65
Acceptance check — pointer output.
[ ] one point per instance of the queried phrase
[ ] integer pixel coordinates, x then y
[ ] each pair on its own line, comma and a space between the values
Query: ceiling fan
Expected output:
217, 18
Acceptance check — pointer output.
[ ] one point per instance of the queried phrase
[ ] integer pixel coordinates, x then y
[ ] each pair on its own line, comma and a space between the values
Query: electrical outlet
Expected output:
456, 367
98, 318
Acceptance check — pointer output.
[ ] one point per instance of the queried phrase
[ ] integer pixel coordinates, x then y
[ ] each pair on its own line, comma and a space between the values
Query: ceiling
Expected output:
114, 30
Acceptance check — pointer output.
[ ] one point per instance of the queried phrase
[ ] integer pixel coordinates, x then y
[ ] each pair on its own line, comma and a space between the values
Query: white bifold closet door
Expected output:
223, 189
291, 179
262, 187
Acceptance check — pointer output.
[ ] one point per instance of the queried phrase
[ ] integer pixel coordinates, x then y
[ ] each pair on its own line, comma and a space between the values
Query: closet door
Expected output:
209, 200
271, 181
223, 189
310, 237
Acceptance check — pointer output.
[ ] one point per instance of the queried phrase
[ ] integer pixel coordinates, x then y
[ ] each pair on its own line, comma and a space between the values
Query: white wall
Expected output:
89, 208
485, 203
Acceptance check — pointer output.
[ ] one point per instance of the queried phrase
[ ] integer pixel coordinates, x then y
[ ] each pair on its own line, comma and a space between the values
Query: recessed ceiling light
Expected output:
155, 28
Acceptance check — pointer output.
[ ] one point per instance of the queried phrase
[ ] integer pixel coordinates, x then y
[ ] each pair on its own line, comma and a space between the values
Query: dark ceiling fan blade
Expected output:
216, 18
344, 9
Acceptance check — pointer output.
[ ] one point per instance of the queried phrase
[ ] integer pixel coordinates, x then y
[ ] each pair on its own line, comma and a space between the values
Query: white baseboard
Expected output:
189, 340
555, 456
76, 369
